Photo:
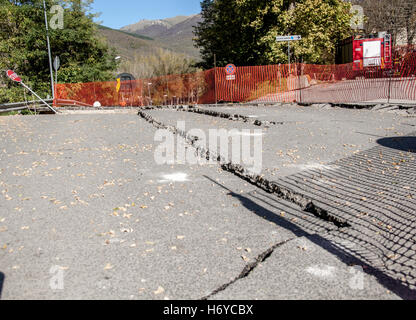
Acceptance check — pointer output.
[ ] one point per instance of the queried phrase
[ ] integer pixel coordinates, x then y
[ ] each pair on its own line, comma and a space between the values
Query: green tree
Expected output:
84, 56
244, 31
227, 31
321, 23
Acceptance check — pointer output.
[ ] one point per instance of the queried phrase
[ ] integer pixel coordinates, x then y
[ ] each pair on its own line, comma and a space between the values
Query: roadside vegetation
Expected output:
244, 31
159, 63
23, 48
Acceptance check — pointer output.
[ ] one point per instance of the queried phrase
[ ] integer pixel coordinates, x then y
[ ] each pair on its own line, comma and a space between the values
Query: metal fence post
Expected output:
389, 96
215, 78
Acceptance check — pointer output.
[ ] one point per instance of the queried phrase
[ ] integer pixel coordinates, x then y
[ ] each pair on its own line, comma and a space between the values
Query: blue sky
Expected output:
119, 13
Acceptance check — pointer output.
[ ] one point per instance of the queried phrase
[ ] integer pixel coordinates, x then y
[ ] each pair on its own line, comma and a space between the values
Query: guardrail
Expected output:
17, 106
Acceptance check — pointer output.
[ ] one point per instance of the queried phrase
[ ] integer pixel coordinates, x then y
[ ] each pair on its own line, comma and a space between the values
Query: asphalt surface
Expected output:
304, 137
83, 197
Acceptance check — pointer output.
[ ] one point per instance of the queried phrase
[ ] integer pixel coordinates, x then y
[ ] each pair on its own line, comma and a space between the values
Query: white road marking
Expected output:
323, 271
175, 177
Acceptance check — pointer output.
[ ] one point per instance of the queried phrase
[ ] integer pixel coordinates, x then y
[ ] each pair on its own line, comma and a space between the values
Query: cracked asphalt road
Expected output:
82, 193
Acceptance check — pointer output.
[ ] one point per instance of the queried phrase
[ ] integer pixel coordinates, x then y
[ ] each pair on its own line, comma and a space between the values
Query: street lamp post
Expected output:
49, 49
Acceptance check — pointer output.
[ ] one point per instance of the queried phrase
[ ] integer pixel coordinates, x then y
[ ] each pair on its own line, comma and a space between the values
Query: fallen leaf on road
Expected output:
245, 258
159, 290
108, 267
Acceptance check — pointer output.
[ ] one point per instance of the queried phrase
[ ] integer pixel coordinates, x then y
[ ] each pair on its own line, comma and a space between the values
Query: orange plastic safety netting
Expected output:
275, 83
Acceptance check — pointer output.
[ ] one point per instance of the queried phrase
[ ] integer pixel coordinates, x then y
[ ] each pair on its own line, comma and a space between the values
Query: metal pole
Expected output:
167, 90
56, 81
388, 99
300, 80
288, 55
279, 75
49, 49
141, 92
38, 97
215, 78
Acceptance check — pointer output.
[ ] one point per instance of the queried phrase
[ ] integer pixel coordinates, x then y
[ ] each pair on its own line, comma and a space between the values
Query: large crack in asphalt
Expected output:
248, 268
306, 204
272, 187
230, 116
218, 114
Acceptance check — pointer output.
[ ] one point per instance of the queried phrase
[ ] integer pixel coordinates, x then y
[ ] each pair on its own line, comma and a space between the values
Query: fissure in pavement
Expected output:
218, 114
249, 268
284, 193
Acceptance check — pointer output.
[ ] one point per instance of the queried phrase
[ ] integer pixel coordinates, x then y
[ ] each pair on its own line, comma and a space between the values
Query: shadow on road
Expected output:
382, 226
1, 283
407, 144
263, 212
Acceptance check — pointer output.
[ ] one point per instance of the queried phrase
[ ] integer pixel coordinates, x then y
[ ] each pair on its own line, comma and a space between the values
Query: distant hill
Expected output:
153, 28
174, 33
125, 32
126, 44
147, 36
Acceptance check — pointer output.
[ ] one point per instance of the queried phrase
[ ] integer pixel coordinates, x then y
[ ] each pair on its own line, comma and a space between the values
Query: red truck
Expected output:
366, 54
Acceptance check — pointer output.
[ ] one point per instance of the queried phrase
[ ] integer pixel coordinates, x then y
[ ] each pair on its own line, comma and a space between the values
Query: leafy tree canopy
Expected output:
23, 47
244, 31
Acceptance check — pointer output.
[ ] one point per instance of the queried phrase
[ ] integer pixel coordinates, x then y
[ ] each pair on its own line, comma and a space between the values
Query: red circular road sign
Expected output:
230, 69
12, 75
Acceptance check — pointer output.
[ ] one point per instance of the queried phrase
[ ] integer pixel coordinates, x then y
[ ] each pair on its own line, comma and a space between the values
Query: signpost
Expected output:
56, 65
288, 39
230, 71
13, 76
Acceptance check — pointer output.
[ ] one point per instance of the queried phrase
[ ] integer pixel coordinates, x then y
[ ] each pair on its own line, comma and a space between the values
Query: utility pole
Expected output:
49, 49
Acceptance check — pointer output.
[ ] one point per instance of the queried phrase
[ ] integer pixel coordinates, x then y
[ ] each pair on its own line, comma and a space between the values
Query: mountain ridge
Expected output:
144, 23
175, 32
146, 37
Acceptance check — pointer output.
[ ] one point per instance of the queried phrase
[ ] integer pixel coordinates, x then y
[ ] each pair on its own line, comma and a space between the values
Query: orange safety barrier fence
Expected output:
259, 84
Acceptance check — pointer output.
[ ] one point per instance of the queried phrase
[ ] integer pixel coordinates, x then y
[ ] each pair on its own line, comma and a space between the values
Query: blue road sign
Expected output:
288, 38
